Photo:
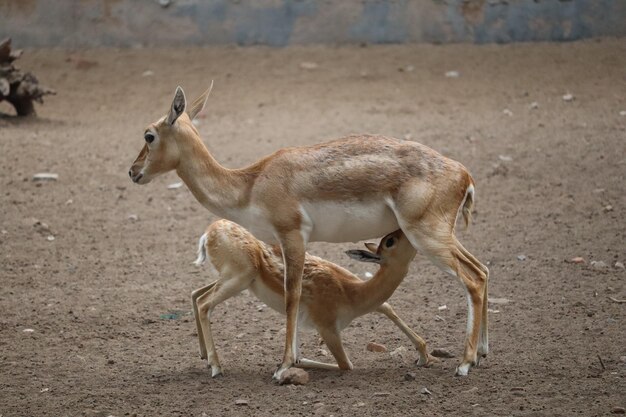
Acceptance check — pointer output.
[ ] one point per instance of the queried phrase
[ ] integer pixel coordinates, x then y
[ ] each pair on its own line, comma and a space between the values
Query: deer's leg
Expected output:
310, 364
433, 237
483, 339
194, 303
332, 338
419, 343
221, 291
292, 245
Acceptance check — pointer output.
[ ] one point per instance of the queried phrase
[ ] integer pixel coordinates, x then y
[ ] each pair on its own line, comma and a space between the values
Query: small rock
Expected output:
111, 362
618, 410
133, 217
147, 73
622, 113
622, 359
45, 176
369, 275
577, 260
50, 238
376, 347
441, 353
442, 308
491, 310
294, 376
44, 390
619, 265
505, 158
439, 318
425, 391
174, 185
608, 208
322, 352
399, 353
521, 257
241, 402
165, 3
517, 389
507, 112
28, 330
598, 264
410, 376
534, 105
568, 97
453, 74
381, 394
360, 404
240, 335
261, 307
499, 300
309, 65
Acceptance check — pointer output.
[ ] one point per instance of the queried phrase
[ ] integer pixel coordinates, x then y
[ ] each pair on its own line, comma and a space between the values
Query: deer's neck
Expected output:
381, 286
217, 188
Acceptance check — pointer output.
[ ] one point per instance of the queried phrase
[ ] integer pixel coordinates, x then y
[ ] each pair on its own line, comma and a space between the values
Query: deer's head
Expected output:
161, 151
393, 248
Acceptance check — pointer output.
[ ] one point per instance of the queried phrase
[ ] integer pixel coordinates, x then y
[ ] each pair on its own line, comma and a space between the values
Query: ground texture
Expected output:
108, 299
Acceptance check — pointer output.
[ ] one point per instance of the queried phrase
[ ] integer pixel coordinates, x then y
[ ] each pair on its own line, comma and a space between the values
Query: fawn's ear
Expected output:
178, 106
372, 247
198, 105
363, 256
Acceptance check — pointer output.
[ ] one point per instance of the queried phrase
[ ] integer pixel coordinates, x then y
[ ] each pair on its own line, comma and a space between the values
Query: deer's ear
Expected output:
372, 247
363, 256
198, 105
178, 106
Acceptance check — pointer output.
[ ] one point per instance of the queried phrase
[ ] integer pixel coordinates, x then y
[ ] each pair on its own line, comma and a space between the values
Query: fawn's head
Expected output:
393, 248
161, 152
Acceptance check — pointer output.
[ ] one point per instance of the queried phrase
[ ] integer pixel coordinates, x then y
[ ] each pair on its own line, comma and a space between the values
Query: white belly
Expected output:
350, 221
253, 219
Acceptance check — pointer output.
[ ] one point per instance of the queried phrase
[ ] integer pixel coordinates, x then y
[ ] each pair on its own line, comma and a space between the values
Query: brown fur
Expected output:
330, 293
426, 189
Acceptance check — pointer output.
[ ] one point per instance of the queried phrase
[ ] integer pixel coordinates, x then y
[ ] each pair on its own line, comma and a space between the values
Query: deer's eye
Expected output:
389, 242
149, 137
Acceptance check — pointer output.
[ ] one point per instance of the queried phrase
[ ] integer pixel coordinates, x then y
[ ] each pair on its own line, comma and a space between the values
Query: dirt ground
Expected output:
108, 299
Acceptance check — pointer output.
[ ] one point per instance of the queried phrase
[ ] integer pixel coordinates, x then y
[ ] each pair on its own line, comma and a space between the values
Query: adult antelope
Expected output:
349, 189
331, 296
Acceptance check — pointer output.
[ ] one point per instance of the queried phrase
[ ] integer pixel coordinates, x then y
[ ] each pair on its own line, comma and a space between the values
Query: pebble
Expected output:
453, 74
442, 308
534, 105
308, 65
598, 264
381, 394
622, 113
505, 158
376, 347
28, 330
50, 238
507, 112
441, 353
399, 353
499, 300
45, 176
369, 275
608, 208
294, 376
241, 402
410, 376
568, 97
577, 260
619, 265
147, 73
322, 352
425, 391
133, 217
521, 257
618, 410
174, 185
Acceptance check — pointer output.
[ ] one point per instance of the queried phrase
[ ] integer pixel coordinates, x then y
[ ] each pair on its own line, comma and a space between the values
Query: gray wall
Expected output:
86, 23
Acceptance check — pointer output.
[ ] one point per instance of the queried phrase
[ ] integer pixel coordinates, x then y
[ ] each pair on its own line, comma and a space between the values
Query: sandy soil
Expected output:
550, 187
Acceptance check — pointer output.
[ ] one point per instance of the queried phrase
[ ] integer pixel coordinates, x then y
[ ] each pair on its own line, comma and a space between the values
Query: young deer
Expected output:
331, 296
349, 189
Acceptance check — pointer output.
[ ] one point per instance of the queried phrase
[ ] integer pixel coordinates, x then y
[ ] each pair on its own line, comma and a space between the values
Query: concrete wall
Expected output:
87, 23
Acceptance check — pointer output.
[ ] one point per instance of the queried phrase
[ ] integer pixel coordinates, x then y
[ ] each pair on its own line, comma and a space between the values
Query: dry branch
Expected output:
19, 89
